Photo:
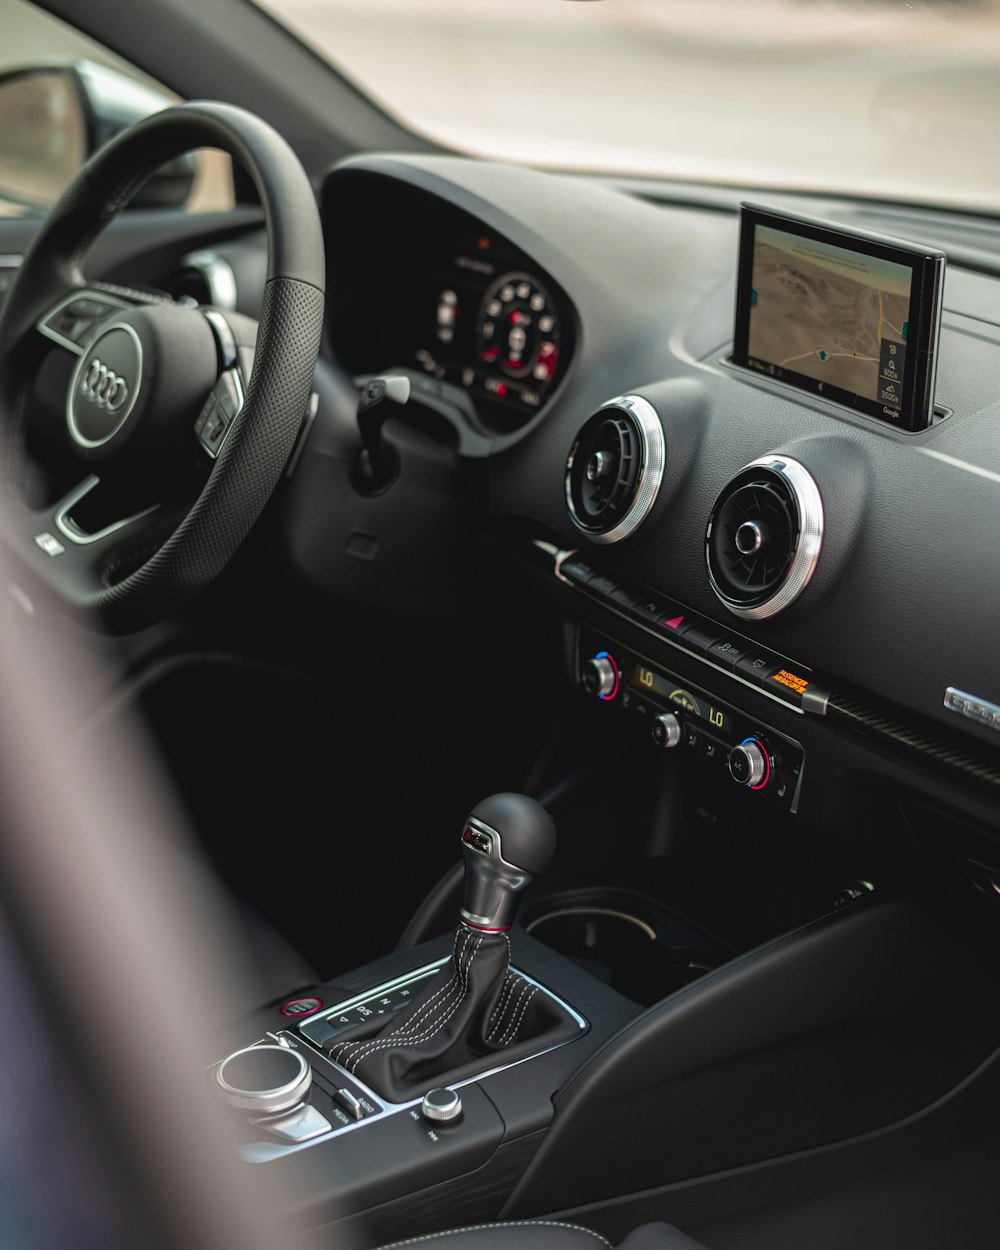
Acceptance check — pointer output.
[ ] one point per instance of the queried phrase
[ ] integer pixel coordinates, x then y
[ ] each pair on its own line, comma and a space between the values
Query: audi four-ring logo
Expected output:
103, 387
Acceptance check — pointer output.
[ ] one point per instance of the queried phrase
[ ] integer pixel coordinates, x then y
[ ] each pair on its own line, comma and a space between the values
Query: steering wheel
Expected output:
177, 422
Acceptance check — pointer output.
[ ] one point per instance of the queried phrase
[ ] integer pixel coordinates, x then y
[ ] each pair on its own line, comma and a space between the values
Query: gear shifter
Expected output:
475, 1005
508, 841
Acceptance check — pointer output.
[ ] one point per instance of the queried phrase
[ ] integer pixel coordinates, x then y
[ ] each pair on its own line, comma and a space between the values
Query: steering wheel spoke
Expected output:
71, 323
142, 367
82, 541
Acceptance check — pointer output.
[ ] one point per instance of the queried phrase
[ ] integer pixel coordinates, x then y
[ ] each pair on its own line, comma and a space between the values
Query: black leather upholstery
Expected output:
474, 1008
548, 1235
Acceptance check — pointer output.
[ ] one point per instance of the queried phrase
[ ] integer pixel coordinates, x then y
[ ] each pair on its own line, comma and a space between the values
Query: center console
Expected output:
492, 1074
431, 1071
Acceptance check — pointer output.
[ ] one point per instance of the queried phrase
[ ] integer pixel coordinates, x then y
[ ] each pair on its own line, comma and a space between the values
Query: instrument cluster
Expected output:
450, 298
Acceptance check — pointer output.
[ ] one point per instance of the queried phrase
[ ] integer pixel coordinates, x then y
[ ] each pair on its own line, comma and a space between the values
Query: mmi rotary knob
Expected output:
264, 1080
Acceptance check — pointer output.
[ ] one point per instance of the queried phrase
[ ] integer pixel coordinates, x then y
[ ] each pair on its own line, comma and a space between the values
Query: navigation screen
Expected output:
853, 318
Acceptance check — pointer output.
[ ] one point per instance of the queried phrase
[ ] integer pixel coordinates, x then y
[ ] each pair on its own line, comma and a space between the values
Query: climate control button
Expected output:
600, 676
666, 730
749, 764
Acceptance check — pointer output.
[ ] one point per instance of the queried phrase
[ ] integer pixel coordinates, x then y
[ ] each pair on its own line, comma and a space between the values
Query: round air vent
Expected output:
764, 537
615, 468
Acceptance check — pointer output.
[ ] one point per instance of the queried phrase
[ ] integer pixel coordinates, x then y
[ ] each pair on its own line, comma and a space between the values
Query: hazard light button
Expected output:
673, 621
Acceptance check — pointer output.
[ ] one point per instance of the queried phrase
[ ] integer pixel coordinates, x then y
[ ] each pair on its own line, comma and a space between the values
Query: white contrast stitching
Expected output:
419, 1017
516, 984
407, 1025
498, 1011
511, 1034
425, 1018
435, 1028
475, 1228
515, 1001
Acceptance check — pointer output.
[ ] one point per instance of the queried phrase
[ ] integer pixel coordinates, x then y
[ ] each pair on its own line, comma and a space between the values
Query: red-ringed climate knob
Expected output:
750, 764
600, 676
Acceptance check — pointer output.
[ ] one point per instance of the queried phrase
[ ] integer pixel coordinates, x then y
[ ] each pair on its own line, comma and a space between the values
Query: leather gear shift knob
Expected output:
508, 840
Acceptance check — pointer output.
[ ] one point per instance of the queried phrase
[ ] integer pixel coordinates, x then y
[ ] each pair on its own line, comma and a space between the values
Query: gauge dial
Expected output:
517, 331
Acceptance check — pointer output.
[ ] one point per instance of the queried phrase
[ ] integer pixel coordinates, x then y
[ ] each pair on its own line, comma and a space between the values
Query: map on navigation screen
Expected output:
838, 316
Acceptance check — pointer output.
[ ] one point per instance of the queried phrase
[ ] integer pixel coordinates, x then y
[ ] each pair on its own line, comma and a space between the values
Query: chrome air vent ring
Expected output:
764, 537
615, 469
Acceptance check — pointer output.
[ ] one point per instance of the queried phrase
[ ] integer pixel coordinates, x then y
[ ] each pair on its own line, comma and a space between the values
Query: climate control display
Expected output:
748, 753
661, 685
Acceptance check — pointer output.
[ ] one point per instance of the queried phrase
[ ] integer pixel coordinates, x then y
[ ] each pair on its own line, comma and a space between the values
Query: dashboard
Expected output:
873, 624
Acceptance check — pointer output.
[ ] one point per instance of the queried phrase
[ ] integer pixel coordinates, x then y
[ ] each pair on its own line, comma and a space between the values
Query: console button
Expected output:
789, 683
625, 597
303, 1124
692, 738
648, 608
576, 570
667, 731
673, 621
367, 1106
728, 652
601, 584
347, 1102
701, 636
631, 702
441, 1106
301, 1006
758, 664
713, 751
750, 764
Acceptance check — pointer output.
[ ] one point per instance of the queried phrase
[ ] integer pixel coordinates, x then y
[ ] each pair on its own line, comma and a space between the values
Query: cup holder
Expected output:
637, 950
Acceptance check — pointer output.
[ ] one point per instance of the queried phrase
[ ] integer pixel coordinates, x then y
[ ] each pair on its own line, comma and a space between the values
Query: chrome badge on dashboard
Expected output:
982, 711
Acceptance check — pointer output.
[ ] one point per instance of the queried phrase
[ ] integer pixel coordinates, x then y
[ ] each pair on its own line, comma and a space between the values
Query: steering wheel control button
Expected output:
749, 764
219, 412
229, 393
601, 677
300, 1007
667, 731
302, 1124
71, 323
264, 1079
441, 1106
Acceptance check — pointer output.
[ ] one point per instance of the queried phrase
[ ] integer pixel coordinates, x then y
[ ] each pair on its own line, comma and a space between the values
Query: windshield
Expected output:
897, 99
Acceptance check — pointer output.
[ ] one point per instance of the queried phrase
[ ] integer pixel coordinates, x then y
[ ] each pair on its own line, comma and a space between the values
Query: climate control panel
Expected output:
683, 717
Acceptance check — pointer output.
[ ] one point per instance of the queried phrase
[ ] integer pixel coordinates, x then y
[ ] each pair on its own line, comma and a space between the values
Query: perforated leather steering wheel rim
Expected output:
252, 459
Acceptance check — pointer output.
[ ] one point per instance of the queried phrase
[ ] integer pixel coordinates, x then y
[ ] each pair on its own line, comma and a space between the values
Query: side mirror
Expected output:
54, 117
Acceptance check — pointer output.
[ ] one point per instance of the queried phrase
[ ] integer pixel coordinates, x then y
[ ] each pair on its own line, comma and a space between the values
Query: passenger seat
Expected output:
548, 1235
